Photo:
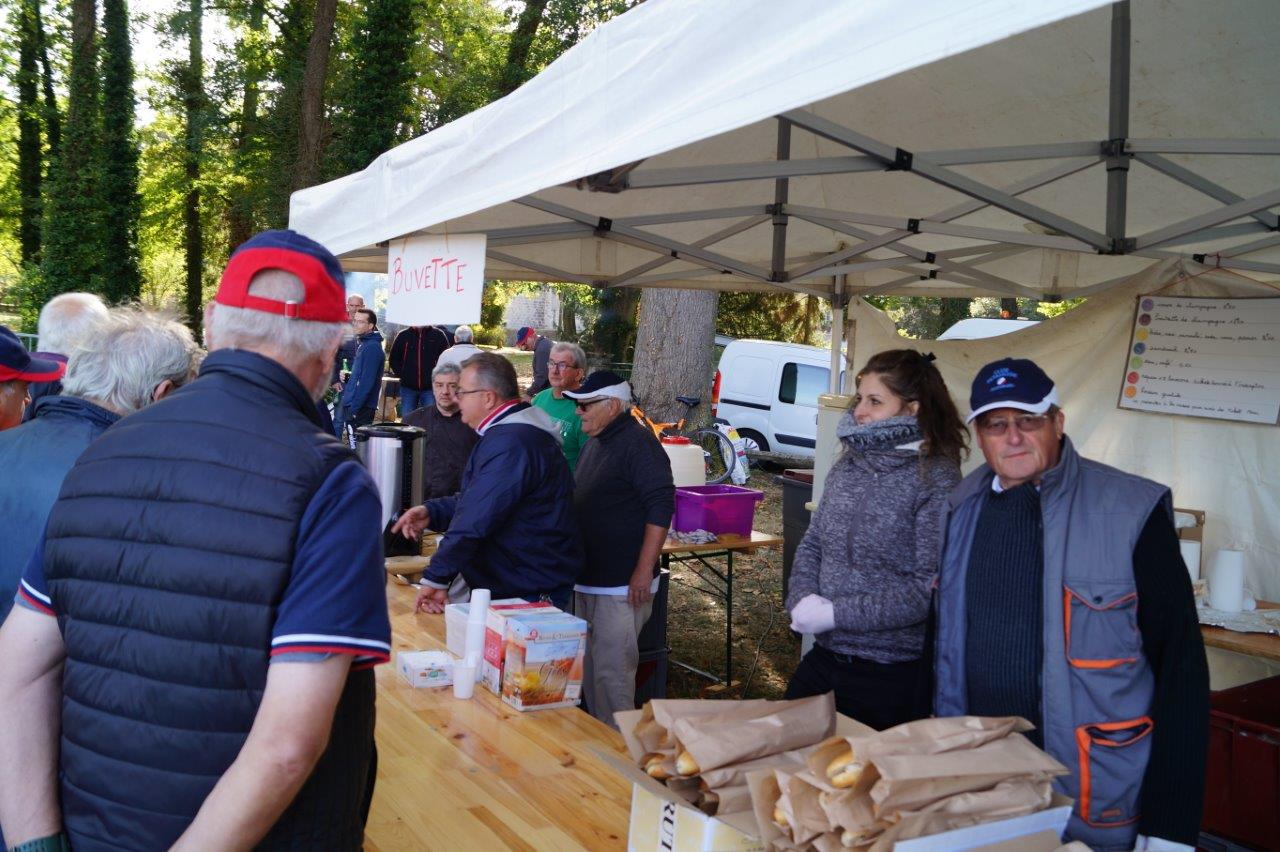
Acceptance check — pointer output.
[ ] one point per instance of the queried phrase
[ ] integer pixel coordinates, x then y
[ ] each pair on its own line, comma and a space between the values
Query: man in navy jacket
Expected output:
511, 529
360, 393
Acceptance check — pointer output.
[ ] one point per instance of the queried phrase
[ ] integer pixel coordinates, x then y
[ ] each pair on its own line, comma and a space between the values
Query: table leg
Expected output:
728, 623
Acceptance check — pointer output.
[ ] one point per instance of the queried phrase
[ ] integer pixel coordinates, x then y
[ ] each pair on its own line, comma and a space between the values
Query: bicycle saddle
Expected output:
691, 401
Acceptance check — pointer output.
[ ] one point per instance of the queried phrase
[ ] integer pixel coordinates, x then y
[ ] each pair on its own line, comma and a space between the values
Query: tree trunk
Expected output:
121, 204
30, 156
675, 345
192, 97
311, 112
950, 312
71, 239
516, 71
240, 212
52, 122
568, 329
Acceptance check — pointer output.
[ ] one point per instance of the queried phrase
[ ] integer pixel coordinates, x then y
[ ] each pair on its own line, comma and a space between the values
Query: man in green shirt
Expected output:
566, 368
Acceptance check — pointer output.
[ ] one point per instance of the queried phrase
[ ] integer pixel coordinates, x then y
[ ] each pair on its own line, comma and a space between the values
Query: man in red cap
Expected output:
207, 601
18, 371
528, 340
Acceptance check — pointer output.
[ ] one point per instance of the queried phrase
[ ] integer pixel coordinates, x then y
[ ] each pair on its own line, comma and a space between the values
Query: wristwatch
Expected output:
53, 843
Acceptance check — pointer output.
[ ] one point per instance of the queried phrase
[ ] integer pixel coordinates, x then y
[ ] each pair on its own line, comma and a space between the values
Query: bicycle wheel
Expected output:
717, 452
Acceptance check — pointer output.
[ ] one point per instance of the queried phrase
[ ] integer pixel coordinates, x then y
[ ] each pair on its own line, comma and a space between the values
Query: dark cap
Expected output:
16, 364
1011, 383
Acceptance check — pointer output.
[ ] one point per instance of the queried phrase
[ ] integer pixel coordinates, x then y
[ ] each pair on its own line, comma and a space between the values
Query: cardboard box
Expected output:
495, 631
1026, 831
455, 623
425, 668
661, 821
543, 662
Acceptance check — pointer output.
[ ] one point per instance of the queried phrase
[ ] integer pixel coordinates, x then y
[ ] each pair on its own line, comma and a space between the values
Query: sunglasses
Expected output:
583, 406
1026, 424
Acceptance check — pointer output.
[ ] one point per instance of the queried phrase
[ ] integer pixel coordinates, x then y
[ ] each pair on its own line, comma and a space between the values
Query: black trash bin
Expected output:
651, 673
797, 490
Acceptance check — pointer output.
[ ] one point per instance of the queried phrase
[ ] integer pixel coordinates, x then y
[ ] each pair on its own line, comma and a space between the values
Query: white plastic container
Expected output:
687, 464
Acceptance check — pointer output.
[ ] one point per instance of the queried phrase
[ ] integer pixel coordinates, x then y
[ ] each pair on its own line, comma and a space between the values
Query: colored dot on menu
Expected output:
1132, 378
1141, 334
1147, 304
1135, 362
1139, 348
1145, 319
1130, 392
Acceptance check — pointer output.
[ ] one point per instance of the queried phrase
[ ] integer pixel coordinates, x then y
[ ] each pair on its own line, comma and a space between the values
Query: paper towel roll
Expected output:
1191, 556
1226, 585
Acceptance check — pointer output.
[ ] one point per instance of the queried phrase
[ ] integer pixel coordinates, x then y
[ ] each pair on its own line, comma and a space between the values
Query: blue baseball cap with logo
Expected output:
1011, 383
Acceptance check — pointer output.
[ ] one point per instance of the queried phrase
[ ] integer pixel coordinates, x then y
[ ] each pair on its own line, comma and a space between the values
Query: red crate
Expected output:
1242, 781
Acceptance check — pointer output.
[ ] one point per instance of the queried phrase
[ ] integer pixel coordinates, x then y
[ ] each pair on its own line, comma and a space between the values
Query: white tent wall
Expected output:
1230, 470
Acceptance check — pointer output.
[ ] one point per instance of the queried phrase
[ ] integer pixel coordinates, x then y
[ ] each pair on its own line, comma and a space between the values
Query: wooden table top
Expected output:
1265, 645
756, 540
478, 774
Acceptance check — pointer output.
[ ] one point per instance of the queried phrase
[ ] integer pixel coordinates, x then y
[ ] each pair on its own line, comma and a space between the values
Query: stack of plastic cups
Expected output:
466, 673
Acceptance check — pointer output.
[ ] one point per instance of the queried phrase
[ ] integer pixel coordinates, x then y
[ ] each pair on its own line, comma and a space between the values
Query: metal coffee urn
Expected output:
392, 453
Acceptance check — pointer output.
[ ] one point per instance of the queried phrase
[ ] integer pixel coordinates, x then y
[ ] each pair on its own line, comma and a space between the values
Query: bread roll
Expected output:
656, 769
844, 771
780, 818
849, 838
686, 765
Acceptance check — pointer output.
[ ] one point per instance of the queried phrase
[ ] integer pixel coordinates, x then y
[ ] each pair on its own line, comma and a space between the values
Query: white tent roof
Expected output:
958, 140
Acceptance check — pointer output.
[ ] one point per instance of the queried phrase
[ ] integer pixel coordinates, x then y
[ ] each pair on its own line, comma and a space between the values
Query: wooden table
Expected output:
1264, 645
724, 547
479, 775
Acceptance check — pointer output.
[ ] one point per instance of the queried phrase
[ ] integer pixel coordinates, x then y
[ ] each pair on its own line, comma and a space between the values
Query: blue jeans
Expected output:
411, 400
339, 419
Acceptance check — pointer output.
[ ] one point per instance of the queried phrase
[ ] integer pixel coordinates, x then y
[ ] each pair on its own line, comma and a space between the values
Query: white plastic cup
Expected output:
1226, 585
464, 680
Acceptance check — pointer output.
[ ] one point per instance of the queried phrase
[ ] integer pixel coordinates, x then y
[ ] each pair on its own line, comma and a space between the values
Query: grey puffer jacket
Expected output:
873, 543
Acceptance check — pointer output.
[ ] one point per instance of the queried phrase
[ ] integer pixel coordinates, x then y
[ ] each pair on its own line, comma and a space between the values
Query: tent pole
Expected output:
1118, 130
837, 333
778, 266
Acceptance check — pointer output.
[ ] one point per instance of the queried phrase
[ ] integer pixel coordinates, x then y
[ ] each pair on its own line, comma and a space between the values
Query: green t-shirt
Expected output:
562, 411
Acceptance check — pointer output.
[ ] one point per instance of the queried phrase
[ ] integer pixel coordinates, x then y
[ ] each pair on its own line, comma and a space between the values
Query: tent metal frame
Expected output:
1060, 233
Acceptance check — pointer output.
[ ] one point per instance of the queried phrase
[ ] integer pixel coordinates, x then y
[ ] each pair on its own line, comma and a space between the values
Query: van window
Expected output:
801, 383
743, 377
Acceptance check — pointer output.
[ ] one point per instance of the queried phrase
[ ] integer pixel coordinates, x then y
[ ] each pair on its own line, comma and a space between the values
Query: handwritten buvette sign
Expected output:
1205, 358
433, 280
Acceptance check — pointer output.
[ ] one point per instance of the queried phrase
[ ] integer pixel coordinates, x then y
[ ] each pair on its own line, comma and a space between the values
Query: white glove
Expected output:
1159, 844
814, 614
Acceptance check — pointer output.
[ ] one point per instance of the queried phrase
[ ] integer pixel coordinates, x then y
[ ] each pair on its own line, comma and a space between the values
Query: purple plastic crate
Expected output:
720, 509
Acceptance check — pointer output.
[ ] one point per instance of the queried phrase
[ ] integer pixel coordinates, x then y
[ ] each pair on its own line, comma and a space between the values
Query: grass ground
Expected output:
765, 651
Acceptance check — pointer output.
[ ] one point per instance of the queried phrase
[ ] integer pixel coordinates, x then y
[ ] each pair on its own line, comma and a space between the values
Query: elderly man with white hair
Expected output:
65, 321
623, 498
461, 350
126, 360
209, 597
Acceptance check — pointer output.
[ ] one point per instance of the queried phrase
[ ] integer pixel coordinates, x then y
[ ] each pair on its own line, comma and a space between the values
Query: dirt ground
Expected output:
765, 651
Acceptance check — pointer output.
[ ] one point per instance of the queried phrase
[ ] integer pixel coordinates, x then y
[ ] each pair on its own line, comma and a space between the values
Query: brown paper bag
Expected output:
725, 800
852, 811
765, 792
736, 773
1010, 798
916, 794
741, 734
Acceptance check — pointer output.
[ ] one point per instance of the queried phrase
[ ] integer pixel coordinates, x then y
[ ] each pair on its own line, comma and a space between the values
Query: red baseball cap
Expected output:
324, 292
15, 363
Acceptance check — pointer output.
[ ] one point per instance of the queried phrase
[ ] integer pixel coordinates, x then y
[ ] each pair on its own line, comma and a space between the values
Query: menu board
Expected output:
1202, 357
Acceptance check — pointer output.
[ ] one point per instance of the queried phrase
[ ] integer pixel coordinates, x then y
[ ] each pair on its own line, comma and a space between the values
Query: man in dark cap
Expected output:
528, 340
1063, 598
624, 499
18, 371
207, 601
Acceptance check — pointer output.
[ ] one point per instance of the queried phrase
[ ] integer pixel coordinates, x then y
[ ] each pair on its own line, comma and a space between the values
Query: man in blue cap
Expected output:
1063, 598
207, 601
18, 371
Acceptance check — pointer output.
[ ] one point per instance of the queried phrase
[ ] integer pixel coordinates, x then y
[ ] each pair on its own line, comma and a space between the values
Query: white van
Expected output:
769, 392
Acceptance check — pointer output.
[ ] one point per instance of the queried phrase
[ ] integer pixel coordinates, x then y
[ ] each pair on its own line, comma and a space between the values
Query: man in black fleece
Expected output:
1063, 598
623, 499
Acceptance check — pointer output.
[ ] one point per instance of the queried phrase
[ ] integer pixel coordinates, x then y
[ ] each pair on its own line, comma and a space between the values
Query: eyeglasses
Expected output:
461, 392
586, 404
1026, 423
558, 366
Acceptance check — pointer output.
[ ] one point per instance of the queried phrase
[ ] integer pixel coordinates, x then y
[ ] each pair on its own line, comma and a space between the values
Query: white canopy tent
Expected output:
945, 148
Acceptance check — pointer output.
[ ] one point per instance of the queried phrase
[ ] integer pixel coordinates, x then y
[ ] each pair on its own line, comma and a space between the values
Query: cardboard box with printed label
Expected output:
495, 629
455, 623
544, 660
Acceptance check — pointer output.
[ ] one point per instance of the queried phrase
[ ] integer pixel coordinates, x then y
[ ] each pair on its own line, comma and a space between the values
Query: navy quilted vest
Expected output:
167, 555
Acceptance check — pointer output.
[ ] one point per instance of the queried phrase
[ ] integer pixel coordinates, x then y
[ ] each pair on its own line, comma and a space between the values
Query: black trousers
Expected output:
877, 694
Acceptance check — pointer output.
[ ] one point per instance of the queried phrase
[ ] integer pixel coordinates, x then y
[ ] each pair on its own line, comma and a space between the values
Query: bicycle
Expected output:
718, 452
